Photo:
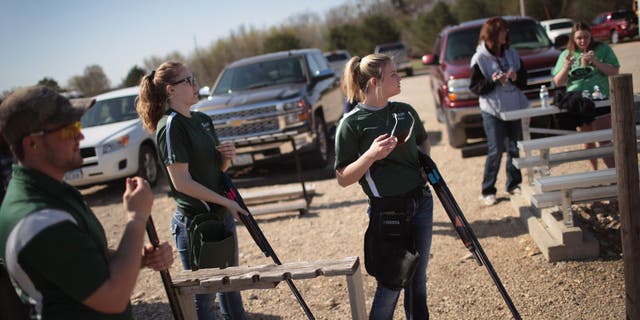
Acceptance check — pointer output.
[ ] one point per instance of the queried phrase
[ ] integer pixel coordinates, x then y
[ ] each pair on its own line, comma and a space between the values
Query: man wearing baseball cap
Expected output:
52, 245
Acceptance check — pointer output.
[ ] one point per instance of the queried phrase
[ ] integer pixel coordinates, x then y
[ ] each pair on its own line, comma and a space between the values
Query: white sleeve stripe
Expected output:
170, 155
25, 230
372, 184
342, 120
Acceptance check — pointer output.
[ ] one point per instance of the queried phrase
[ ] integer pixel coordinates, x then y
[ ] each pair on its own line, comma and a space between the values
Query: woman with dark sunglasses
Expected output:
377, 145
497, 77
584, 66
194, 161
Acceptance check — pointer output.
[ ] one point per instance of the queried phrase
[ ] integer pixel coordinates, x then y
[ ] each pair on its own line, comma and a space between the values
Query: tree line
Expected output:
357, 26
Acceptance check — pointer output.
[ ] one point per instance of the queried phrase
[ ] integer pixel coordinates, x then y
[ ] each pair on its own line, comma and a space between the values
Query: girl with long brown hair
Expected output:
583, 66
194, 160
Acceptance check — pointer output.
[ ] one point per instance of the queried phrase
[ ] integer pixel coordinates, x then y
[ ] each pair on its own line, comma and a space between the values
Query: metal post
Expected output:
299, 170
567, 213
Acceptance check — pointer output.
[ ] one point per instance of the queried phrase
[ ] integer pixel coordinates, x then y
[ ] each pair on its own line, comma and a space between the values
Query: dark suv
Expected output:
614, 26
259, 100
458, 107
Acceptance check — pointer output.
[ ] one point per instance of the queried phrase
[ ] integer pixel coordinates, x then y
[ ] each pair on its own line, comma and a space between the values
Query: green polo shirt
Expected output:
396, 174
585, 81
53, 246
192, 141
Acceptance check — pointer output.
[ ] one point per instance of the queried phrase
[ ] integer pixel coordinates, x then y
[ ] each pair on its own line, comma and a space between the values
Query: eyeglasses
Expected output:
68, 131
190, 80
405, 136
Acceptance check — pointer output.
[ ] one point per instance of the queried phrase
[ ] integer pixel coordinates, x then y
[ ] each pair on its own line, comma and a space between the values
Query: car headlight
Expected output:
115, 144
292, 116
458, 89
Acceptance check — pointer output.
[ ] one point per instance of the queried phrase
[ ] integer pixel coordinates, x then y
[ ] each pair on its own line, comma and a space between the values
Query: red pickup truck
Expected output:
456, 106
615, 26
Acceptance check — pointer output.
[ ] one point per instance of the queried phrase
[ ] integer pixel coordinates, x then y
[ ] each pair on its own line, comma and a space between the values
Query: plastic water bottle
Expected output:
597, 94
544, 97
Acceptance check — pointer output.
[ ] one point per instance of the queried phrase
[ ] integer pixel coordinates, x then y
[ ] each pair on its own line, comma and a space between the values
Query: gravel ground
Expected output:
457, 287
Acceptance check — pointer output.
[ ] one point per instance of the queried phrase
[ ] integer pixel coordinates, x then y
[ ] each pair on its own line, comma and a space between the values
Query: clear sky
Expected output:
59, 38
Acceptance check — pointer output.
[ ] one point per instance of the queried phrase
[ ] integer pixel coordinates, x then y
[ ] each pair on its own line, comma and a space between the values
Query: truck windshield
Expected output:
523, 35
110, 111
261, 74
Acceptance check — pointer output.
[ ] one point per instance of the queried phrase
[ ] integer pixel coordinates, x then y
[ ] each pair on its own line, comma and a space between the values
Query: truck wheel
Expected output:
615, 37
457, 136
319, 157
148, 165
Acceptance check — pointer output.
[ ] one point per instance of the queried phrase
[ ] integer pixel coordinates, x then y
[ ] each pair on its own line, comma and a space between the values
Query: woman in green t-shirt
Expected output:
194, 161
584, 67
377, 145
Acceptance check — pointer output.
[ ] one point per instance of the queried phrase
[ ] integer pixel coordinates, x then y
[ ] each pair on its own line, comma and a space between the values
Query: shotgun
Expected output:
164, 274
462, 227
259, 238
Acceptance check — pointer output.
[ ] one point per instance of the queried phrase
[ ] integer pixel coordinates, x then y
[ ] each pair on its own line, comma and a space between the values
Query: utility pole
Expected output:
522, 8
626, 158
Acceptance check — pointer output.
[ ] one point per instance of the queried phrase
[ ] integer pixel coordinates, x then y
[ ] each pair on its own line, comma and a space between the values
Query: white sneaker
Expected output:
515, 191
489, 199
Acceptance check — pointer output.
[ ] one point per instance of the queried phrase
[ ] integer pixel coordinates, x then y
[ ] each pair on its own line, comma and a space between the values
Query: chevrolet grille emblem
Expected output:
235, 122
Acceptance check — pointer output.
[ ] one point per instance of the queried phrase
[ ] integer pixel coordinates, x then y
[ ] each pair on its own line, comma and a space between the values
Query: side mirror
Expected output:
204, 92
319, 76
430, 59
323, 74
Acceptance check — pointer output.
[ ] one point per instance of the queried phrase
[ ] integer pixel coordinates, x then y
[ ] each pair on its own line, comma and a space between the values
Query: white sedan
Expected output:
115, 145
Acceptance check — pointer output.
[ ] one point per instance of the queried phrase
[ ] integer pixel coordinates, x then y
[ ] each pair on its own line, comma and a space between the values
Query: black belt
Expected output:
212, 208
415, 194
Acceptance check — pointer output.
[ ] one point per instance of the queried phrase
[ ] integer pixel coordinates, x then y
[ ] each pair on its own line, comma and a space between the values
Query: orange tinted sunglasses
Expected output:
69, 131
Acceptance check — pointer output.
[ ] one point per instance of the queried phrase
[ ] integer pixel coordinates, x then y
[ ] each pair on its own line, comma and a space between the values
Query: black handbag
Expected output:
389, 250
210, 244
579, 110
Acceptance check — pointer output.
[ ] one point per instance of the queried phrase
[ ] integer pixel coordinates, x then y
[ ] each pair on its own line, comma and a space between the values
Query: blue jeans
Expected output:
501, 136
415, 296
230, 302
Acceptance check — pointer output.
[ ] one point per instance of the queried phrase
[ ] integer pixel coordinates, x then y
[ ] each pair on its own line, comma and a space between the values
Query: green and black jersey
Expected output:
193, 141
399, 172
53, 246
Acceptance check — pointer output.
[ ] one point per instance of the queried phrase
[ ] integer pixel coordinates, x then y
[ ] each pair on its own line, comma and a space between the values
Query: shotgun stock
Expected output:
164, 274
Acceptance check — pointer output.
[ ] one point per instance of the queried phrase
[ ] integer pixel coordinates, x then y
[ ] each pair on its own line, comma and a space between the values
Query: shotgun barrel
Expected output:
462, 227
259, 238
164, 274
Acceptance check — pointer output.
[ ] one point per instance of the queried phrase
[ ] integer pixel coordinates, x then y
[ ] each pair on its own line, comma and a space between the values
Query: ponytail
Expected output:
153, 93
357, 73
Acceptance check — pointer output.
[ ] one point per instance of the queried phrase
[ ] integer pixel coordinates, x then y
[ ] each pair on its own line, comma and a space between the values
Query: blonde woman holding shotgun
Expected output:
377, 146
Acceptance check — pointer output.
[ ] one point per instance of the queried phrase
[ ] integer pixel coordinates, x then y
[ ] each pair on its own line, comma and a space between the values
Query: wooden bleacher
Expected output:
279, 199
187, 283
